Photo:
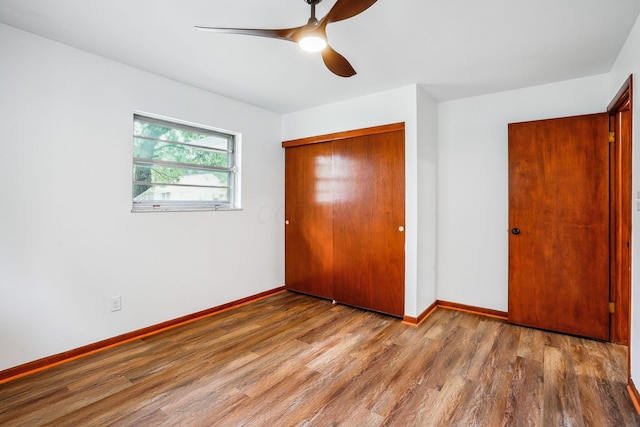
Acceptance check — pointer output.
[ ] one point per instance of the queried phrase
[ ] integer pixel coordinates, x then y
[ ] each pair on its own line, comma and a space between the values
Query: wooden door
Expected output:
344, 216
368, 230
559, 221
309, 219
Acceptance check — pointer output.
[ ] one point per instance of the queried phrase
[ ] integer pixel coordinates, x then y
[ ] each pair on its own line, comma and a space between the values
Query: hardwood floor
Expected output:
292, 360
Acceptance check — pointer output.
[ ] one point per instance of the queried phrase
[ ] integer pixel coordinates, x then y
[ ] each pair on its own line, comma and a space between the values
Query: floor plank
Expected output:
295, 360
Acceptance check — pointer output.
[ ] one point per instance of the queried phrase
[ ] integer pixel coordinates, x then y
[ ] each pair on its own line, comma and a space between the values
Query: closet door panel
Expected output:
308, 219
368, 222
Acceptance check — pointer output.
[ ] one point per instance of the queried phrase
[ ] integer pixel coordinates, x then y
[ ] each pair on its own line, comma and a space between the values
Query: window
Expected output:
182, 167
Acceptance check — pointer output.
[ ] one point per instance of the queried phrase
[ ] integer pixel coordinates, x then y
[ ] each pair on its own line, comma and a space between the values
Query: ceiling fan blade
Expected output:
337, 63
345, 9
283, 34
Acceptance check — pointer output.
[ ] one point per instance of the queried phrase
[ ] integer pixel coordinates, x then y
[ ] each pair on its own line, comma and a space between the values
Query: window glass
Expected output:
179, 166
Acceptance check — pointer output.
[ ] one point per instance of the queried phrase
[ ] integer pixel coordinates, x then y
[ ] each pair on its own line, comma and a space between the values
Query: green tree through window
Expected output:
181, 166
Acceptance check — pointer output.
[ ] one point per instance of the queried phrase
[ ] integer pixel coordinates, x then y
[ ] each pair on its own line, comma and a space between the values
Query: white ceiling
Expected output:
452, 48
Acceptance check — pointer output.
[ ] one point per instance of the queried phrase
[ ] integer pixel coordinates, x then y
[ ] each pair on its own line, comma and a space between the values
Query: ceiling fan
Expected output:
312, 36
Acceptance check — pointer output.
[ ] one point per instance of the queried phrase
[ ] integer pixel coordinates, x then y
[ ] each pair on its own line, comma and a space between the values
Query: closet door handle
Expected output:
401, 229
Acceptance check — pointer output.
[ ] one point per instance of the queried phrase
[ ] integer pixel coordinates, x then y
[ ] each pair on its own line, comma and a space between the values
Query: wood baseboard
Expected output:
67, 356
635, 396
473, 309
415, 321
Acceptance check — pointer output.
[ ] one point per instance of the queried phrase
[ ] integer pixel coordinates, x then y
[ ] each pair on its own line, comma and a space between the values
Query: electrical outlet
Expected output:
115, 303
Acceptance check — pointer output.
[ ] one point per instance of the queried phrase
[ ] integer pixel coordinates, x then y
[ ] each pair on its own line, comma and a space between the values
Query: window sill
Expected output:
149, 209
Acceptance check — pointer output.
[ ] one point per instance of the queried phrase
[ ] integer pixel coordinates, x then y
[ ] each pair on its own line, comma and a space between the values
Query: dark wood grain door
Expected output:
559, 225
368, 230
309, 219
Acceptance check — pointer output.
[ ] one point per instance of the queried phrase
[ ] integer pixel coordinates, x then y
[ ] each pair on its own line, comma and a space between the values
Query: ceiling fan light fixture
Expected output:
312, 43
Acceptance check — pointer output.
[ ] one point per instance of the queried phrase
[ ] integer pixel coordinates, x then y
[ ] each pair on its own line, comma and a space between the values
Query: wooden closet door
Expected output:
309, 219
368, 221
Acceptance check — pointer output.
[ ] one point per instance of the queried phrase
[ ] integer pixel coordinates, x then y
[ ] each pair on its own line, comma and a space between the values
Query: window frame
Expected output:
234, 169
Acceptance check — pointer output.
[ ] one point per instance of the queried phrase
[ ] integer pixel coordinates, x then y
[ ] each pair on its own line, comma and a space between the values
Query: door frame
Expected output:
620, 213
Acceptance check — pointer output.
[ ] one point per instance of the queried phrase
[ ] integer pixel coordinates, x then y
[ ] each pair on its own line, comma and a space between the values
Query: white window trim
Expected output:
195, 206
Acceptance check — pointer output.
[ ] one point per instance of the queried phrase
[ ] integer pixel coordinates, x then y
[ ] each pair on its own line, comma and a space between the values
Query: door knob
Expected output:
515, 231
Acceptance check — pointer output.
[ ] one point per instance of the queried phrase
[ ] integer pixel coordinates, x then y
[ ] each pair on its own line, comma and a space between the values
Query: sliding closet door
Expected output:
309, 219
368, 221
344, 217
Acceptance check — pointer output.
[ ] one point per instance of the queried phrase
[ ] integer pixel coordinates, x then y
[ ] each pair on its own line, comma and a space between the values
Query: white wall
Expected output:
400, 105
427, 199
627, 63
68, 240
472, 182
